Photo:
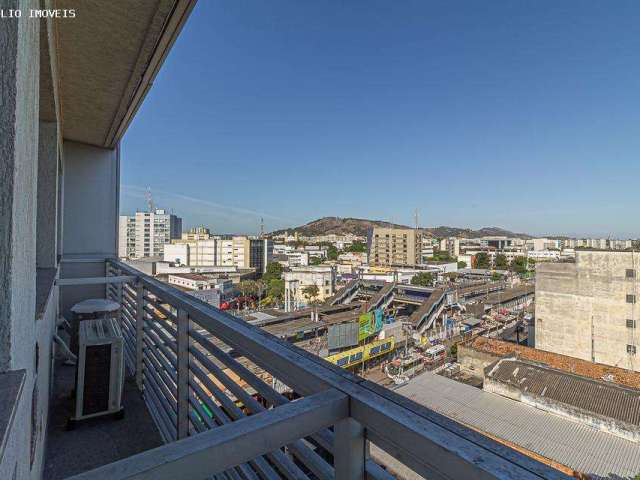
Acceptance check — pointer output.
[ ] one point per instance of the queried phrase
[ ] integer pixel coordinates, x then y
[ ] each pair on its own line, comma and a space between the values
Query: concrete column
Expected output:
19, 51
46, 227
19, 100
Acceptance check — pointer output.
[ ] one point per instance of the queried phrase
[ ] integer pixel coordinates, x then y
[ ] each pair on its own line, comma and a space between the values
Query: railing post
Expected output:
119, 287
139, 331
183, 373
349, 450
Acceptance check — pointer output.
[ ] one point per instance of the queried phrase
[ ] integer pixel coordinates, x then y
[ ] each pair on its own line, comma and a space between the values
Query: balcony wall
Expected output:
91, 203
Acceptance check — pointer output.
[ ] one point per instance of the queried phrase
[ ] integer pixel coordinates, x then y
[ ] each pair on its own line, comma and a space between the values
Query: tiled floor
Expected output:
97, 441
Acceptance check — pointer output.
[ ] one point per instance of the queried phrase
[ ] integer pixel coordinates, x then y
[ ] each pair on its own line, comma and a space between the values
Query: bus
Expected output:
435, 354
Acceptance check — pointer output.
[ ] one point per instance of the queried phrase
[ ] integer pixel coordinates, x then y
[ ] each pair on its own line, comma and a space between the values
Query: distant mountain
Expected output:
359, 226
444, 231
337, 225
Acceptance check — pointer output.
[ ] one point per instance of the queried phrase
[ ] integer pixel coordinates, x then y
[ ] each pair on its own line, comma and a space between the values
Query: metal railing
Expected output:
213, 384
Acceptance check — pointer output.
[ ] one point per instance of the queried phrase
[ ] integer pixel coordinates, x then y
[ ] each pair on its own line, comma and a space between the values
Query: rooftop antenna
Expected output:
149, 200
415, 215
261, 227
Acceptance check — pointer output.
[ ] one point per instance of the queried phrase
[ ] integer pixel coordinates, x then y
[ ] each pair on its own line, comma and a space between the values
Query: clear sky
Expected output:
523, 115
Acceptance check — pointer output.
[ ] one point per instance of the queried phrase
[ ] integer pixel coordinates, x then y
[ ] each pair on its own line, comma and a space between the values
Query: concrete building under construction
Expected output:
588, 310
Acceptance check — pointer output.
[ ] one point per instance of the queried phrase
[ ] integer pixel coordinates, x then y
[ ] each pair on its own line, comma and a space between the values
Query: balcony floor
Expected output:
94, 442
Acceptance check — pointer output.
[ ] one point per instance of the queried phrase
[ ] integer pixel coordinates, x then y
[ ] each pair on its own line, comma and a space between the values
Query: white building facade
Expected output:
295, 281
237, 251
146, 233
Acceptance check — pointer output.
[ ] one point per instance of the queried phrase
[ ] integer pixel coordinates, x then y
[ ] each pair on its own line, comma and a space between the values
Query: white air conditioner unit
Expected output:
100, 370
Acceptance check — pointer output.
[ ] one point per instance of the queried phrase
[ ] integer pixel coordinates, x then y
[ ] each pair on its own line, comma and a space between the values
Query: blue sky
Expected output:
523, 115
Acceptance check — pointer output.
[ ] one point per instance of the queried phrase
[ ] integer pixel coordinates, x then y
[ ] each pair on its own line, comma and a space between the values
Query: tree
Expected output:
501, 261
275, 290
315, 260
357, 247
496, 276
462, 264
311, 292
422, 279
274, 271
482, 260
519, 265
332, 252
441, 257
248, 288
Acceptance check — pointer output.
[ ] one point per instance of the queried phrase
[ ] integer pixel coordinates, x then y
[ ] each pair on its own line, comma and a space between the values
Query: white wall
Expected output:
91, 188
177, 252
90, 218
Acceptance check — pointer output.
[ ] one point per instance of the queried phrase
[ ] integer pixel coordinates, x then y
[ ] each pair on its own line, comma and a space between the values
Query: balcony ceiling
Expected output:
107, 58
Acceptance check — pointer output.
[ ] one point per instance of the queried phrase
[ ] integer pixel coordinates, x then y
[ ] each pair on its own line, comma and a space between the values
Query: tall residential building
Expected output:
145, 233
394, 246
588, 310
127, 237
450, 245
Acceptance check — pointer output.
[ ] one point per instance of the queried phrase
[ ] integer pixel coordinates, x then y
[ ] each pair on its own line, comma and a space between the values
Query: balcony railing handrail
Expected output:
432, 445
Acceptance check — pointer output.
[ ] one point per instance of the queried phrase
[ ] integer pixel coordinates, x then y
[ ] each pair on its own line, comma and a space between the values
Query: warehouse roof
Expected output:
599, 397
578, 446
510, 294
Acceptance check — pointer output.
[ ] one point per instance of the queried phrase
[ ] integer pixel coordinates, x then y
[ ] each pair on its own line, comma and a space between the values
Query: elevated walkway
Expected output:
383, 297
426, 314
345, 294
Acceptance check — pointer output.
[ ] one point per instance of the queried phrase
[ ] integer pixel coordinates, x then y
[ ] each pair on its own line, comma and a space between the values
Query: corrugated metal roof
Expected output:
573, 444
510, 294
607, 400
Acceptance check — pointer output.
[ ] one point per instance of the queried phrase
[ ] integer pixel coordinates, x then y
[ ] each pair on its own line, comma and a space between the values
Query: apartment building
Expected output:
588, 309
126, 237
450, 245
237, 251
146, 233
295, 281
296, 259
394, 246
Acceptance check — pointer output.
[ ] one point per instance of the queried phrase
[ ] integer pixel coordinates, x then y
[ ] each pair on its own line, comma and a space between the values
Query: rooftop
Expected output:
584, 368
191, 276
597, 396
510, 294
601, 455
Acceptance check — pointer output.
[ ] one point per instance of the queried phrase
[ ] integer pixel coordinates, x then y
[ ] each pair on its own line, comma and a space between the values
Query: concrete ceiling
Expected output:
107, 57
